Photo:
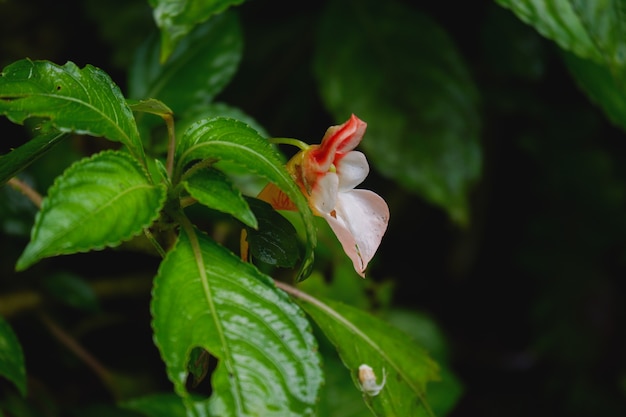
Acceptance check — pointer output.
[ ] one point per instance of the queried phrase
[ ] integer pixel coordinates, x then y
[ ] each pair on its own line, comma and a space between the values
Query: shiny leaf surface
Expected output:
204, 296
84, 101
213, 189
361, 338
223, 139
98, 202
176, 18
200, 67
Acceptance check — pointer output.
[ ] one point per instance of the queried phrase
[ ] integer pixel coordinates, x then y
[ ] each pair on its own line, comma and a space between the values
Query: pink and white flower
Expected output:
328, 174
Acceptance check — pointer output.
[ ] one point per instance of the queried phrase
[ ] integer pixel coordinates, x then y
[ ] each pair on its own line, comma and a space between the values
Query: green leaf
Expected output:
400, 72
361, 338
11, 357
213, 189
83, 101
605, 20
157, 405
339, 398
218, 109
97, 202
560, 21
152, 106
600, 86
204, 296
275, 242
444, 393
233, 141
176, 18
18, 159
200, 67
593, 34
591, 29
198, 365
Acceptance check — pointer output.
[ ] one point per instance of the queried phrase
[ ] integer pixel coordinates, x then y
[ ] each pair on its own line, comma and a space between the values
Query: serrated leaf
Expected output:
558, 20
200, 67
213, 189
11, 357
247, 183
605, 21
176, 18
233, 141
204, 296
275, 241
157, 405
84, 101
399, 71
593, 35
19, 158
600, 86
361, 338
218, 109
97, 202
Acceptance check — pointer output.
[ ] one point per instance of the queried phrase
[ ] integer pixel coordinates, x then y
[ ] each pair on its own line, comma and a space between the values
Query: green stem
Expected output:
154, 242
290, 141
171, 143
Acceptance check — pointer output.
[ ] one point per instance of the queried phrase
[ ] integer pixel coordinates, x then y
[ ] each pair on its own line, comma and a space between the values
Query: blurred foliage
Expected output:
523, 306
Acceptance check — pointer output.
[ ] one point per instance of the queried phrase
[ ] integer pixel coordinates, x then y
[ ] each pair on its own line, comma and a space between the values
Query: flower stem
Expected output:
289, 141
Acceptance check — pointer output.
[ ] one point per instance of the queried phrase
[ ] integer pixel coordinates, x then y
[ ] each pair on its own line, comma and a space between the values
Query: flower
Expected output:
328, 174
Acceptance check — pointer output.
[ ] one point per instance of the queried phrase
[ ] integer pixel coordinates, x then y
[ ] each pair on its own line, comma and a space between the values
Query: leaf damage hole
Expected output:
200, 368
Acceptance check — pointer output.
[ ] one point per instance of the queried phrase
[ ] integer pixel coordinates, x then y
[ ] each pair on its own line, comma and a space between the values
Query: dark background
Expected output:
530, 296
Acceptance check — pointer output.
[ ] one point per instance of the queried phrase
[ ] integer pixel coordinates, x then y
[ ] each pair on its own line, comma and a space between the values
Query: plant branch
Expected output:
15, 303
27, 190
77, 349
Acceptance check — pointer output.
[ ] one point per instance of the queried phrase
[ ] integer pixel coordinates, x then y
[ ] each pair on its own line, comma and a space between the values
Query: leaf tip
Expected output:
26, 260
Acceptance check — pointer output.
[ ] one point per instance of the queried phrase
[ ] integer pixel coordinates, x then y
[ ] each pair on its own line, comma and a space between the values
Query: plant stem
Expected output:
187, 201
290, 141
77, 349
154, 242
27, 190
15, 303
171, 143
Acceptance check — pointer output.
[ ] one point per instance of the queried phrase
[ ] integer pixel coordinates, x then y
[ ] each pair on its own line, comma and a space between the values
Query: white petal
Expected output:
360, 221
324, 193
352, 170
